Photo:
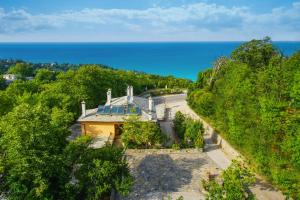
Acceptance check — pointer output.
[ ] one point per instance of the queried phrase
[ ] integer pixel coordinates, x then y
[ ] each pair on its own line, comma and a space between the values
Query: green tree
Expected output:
2, 83
37, 162
45, 75
255, 101
32, 139
193, 136
205, 102
6, 103
138, 134
256, 53
21, 69
101, 171
189, 131
179, 124
236, 181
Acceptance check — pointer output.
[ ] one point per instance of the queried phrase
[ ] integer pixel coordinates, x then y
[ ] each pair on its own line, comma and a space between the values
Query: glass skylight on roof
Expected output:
106, 109
114, 110
119, 110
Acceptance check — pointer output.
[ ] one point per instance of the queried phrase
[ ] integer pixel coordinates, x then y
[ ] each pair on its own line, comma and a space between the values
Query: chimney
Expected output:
128, 91
150, 104
128, 95
83, 109
131, 90
108, 98
131, 94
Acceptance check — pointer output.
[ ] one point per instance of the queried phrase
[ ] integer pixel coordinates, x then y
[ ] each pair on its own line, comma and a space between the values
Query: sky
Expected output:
148, 20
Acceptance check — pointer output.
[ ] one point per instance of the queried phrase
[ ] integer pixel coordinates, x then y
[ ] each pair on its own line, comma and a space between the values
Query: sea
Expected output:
179, 59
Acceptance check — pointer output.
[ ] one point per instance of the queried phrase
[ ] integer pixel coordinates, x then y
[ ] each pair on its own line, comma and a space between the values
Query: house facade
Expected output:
105, 122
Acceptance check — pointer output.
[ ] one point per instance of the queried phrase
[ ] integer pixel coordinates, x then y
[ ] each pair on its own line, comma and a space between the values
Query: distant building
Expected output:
105, 122
10, 78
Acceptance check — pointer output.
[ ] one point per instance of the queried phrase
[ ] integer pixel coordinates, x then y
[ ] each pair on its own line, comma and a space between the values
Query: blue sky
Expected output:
148, 20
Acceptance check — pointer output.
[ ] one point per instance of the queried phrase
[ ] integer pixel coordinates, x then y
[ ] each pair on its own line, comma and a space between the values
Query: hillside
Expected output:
253, 99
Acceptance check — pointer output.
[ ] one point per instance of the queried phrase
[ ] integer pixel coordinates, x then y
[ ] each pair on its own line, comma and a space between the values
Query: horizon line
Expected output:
181, 41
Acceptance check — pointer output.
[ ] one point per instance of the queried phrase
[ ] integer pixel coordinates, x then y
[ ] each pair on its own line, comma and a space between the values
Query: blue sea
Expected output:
180, 59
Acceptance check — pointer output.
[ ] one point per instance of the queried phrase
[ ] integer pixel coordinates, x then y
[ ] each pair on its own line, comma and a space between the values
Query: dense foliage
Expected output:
139, 134
97, 171
37, 162
2, 83
22, 70
164, 91
36, 159
253, 99
236, 180
189, 131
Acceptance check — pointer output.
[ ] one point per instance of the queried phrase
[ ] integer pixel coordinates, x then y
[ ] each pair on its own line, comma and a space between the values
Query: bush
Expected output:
175, 146
159, 92
203, 102
138, 134
236, 180
189, 131
256, 102
179, 124
22, 70
101, 171
199, 141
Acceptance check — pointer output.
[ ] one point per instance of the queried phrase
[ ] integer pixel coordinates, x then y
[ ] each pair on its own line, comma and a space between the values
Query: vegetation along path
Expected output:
175, 103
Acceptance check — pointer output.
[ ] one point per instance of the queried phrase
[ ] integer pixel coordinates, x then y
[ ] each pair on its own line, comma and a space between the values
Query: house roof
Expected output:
119, 110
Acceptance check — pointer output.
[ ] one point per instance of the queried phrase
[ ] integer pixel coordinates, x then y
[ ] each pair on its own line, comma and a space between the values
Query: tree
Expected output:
101, 171
6, 103
179, 124
45, 75
189, 131
19, 87
32, 139
2, 83
193, 136
205, 102
37, 162
236, 180
138, 134
256, 53
254, 103
21, 69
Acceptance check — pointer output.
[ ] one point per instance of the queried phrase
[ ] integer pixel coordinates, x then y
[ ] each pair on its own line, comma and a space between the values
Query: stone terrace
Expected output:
166, 172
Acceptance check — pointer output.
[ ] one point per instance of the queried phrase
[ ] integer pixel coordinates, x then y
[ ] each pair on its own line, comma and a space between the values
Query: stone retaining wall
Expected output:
223, 144
164, 151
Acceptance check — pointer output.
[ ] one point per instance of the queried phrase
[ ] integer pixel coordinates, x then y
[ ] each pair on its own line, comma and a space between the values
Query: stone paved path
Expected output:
166, 172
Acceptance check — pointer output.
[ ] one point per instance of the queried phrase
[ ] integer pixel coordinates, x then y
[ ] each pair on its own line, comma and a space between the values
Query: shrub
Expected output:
203, 102
179, 124
175, 146
199, 141
236, 180
138, 134
189, 131
194, 131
